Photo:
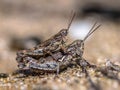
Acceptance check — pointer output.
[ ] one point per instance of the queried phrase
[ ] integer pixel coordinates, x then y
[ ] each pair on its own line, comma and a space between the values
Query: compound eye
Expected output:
64, 32
79, 42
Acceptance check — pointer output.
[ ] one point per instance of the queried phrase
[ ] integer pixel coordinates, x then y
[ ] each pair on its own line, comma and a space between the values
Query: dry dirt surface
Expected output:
44, 21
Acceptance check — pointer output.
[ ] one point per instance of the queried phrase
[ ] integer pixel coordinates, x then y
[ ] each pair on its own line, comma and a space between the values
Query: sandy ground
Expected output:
103, 44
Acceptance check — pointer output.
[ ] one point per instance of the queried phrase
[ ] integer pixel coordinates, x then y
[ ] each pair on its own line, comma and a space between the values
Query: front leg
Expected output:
84, 64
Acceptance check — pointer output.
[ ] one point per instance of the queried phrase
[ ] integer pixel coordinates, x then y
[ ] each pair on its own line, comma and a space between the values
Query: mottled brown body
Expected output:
71, 56
50, 57
49, 46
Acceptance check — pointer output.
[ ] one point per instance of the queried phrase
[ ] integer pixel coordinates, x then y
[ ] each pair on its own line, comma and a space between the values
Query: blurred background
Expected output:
24, 24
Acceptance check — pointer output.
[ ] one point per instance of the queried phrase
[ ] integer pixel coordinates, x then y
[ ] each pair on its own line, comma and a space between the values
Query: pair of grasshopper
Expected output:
53, 55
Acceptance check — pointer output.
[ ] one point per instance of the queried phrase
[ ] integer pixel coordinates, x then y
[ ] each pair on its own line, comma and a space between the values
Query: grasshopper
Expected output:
73, 54
53, 44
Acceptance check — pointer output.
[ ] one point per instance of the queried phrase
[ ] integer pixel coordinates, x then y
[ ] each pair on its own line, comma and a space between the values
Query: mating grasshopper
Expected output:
73, 54
53, 44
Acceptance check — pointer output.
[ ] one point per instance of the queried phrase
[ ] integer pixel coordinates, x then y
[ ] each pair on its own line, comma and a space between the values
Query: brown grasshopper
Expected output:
53, 44
72, 55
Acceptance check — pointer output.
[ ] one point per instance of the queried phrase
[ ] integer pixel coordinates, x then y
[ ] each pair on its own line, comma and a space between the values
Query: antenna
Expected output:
71, 20
93, 29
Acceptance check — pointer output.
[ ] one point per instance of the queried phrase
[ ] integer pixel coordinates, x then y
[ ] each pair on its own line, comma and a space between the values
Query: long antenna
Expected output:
71, 20
91, 31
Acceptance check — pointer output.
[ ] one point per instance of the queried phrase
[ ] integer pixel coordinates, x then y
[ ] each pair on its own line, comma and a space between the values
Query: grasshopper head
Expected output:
61, 35
64, 32
79, 43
